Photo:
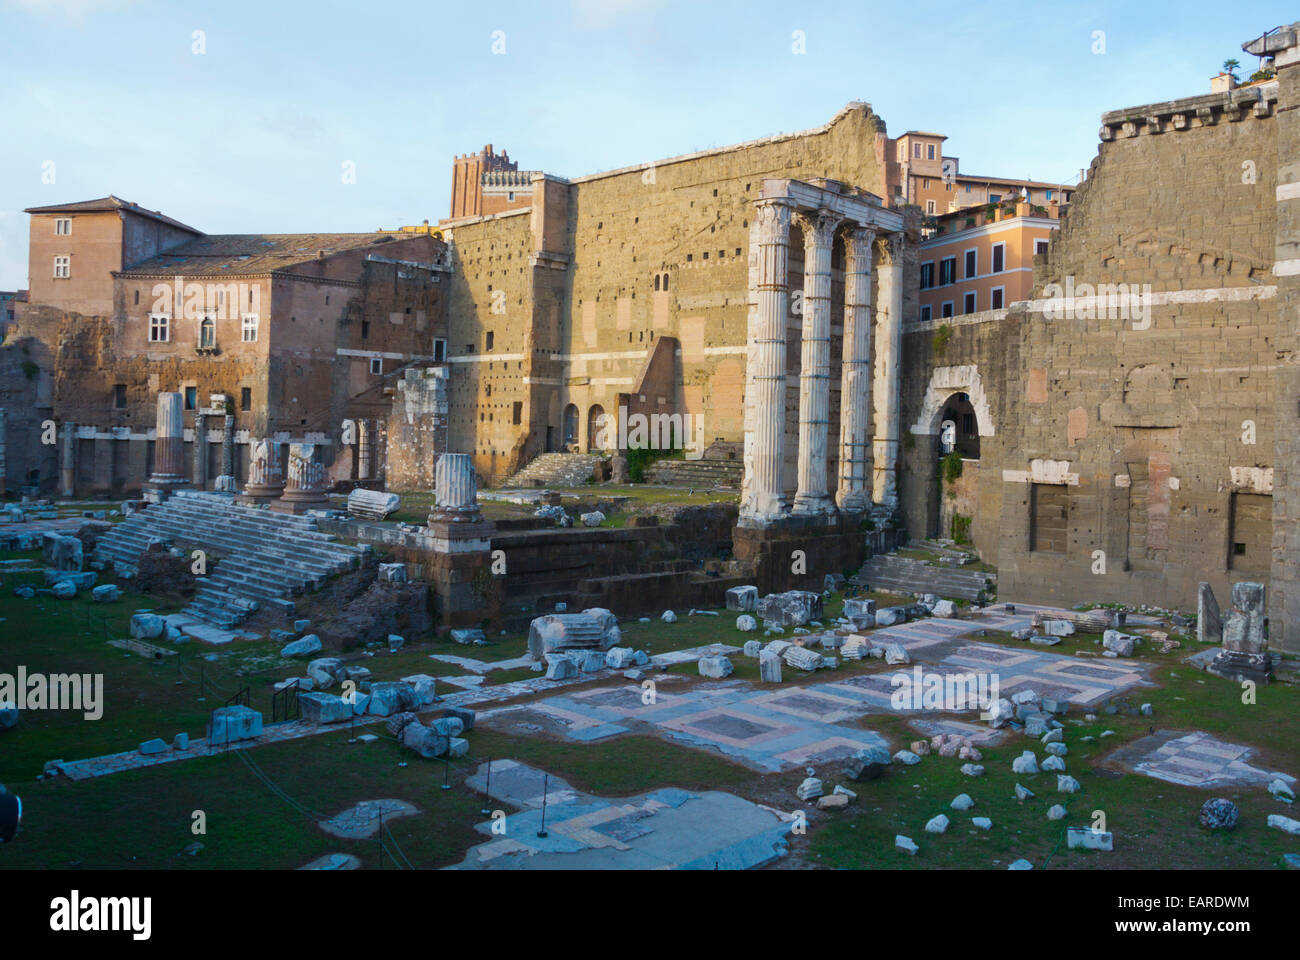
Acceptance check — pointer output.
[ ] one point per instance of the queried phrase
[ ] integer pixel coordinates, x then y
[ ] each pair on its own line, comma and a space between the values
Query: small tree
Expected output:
1230, 67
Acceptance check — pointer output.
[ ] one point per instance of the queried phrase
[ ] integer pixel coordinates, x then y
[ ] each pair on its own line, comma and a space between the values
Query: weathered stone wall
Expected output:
1141, 444
622, 258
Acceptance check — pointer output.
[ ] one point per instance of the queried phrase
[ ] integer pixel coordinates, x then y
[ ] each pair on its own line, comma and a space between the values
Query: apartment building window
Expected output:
947, 271
929, 207
377, 365
1040, 246
245, 399
999, 257
159, 328
945, 311
517, 413
995, 298
994, 197
439, 351
248, 327
119, 396
191, 398
916, 151
929, 151
489, 341
62, 226
925, 313
927, 275
62, 268
207, 333
1047, 194
365, 329
972, 263
968, 303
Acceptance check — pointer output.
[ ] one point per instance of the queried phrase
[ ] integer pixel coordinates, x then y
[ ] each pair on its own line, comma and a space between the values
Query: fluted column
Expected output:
763, 495
815, 369
199, 474
305, 482
455, 490
889, 345
68, 460
854, 494
168, 449
365, 449
265, 475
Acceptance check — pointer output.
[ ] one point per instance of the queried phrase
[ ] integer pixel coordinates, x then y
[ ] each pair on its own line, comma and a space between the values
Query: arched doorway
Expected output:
570, 427
963, 436
596, 431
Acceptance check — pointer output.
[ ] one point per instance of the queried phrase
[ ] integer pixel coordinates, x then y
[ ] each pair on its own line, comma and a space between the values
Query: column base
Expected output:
300, 501
156, 490
1237, 666
257, 495
814, 506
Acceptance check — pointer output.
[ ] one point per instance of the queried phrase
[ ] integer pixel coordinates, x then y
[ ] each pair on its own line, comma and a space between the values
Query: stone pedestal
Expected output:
265, 475
199, 452
305, 482
466, 589
828, 547
169, 450
1245, 654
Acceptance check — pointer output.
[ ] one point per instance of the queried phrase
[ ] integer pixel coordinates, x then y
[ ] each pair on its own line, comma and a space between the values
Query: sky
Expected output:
287, 117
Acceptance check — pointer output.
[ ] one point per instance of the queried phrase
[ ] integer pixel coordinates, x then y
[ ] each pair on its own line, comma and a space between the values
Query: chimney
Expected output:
1222, 83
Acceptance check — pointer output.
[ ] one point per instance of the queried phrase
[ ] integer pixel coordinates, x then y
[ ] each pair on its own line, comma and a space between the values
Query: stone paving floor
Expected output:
1199, 760
662, 829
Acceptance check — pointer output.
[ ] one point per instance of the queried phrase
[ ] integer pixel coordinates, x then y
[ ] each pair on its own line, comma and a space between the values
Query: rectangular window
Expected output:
968, 303
945, 311
159, 328
62, 268
365, 329
999, 257
916, 151
994, 197
191, 398
927, 275
1040, 246
929, 151
249, 327
929, 207
245, 399
377, 365
517, 413
208, 333
119, 396
439, 351
1048, 195
489, 341
995, 298
925, 313
62, 226
972, 263
947, 271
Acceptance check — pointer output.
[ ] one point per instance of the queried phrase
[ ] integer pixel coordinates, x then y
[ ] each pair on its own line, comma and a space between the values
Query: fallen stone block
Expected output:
742, 599
152, 747
308, 644
147, 626
389, 698
1089, 839
715, 667
322, 708
234, 724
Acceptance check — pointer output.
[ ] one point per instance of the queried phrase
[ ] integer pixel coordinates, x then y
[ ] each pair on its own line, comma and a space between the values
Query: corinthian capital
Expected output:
857, 244
771, 223
818, 227
890, 247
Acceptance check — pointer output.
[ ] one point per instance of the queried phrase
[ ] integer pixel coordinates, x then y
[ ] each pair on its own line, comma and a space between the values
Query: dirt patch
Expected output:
162, 575
384, 608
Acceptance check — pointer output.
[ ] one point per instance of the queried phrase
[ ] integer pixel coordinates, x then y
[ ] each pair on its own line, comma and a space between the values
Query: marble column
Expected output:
68, 460
304, 487
815, 368
889, 347
168, 449
226, 482
763, 494
199, 474
365, 449
265, 475
854, 494
455, 490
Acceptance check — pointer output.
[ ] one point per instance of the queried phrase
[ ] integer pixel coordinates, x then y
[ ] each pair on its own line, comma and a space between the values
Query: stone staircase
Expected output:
264, 558
555, 470
894, 574
704, 474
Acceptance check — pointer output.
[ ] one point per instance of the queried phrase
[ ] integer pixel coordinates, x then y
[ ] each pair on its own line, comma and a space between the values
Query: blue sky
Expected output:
252, 134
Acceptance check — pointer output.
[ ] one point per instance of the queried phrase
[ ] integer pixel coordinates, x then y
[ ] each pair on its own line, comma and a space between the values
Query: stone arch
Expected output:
944, 383
595, 417
569, 428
